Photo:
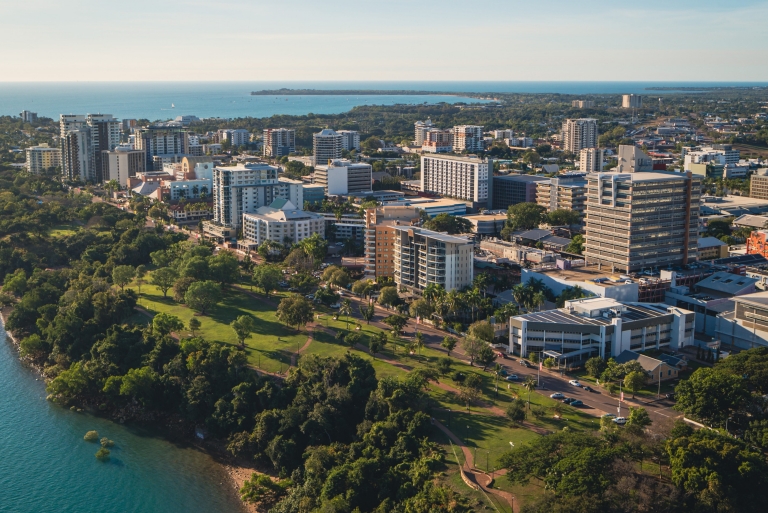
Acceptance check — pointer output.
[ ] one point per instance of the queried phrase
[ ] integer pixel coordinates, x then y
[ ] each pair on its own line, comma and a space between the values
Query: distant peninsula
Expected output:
344, 92
705, 88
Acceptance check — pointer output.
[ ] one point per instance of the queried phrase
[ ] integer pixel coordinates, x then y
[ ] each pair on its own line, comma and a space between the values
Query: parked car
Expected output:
512, 377
501, 354
293, 289
577, 403
589, 389
670, 396
310, 296
335, 305
620, 421
283, 284
525, 363
503, 372
574, 382
557, 395
568, 400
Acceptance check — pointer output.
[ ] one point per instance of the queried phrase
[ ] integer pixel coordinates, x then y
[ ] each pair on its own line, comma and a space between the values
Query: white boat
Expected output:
173, 106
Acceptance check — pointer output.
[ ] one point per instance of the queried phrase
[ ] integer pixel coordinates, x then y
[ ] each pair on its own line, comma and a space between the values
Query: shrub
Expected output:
102, 454
91, 436
106, 442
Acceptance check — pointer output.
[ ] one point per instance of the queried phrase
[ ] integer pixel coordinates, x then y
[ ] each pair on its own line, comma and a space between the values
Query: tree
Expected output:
444, 365
346, 309
15, 283
164, 324
374, 346
367, 312
181, 286
243, 326
353, 338
448, 343
224, 267
472, 346
482, 330
486, 356
141, 271
563, 217
294, 311
448, 223
634, 381
163, 279
201, 295
419, 341
267, 277
530, 385
524, 216
505, 312
140, 384
396, 322
262, 490
711, 396
388, 296
576, 246
516, 411
421, 308
122, 275
194, 325
469, 390
638, 417
362, 287
549, 363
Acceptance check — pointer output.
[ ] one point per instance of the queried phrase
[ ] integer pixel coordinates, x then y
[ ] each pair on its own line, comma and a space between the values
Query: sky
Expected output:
255, 40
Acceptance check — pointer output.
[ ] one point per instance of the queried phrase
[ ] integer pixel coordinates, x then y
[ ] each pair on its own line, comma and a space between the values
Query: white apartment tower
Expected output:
327, 146
291, 190
464, 178
468, 138
341, 177
591, 160
42, 158
161, 141
279, 142
420, 129
631, 101
579, 134
242, 189
81, 154
350, 139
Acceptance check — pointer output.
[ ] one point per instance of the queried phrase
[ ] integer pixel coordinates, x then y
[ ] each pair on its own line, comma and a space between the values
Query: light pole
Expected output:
726, 424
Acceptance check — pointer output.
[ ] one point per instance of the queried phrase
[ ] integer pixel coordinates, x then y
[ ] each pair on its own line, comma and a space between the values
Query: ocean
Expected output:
166, 100
46, 466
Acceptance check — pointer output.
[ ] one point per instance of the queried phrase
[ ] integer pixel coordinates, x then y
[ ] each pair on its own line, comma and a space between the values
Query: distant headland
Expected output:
343, 92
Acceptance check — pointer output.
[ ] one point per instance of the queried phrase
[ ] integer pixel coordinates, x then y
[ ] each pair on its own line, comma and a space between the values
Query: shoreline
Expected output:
235, 472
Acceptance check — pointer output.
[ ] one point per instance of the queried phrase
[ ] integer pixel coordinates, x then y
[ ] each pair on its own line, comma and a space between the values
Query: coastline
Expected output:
236, 473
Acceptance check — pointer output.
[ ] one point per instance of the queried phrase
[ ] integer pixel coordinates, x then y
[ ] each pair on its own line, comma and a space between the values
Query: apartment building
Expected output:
380, 237
578, 134
567, 191
437, 141
278, 142
600, 327
235, 136
350, 139
161, 141
280, 222
42, 158
121, 163
632, 159
468, 138
466, 178
423, 257
631, 101
28, 116
97, 133
696, 160
500, 135
341, 176
637, 221
291, 190
326, 146
75, 155
196, 168
746, 327
189, 189
591, 160
513, 189
420, 129
583, 104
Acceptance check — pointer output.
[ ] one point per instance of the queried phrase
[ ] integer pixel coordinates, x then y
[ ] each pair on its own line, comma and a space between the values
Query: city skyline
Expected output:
521, 42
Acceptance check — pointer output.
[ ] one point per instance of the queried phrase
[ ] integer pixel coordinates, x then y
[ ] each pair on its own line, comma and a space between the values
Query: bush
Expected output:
458, 377
106, 442
91, 436
102, 454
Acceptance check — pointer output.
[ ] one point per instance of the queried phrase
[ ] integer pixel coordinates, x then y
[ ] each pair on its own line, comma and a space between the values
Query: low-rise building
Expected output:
663, 368
567, 191
711, 248
189, 189
280, 222
487, 225
313, 193
745, 327
340, 177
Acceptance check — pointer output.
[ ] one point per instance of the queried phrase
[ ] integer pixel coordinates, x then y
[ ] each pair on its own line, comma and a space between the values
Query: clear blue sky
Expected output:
194, 40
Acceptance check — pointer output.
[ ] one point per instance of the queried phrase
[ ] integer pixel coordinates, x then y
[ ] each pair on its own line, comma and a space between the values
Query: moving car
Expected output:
525, 363
512, 377
589, 389
670, 396
574, 382
568, 400
576, 403
620, 420
336, 305
557, 395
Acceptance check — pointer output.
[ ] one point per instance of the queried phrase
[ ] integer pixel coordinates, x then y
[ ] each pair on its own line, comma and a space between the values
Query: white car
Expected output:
620, 420
557, 395
574, 382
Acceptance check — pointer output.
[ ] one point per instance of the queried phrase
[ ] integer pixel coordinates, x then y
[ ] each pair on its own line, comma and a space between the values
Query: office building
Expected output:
281, 222
697, 160
591, 160
291, 190
420, 129
342, 176
632, 159
468, 138
326, 146
239, 190
746, 326
42, 158
350, 139
380, 237
513, 189
122, 163
637, 221
465, 178
313, 193
583, 104
424, 257
437, 141
563, 192
758, 186
599, 327
578, 134
279, 142
631, 101
503, 134
235, 136
487, 225
28, 116
161, 140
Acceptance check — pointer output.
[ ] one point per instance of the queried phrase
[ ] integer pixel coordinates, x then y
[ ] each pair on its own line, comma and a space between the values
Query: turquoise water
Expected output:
46, 466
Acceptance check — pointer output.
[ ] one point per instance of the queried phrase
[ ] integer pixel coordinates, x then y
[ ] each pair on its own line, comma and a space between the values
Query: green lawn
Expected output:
648, 392
63, 230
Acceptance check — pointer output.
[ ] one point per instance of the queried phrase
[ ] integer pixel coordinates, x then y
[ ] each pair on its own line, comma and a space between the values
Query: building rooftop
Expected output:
485, 217
464, 158
631, 312
444, 237
601, 277
522, 178
649, 364
709, 242
726, 283
751, 220
758, 298
648, 176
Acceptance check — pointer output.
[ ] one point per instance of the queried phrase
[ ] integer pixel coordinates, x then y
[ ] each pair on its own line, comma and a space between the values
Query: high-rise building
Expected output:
121, 163
468, 138
563, 192
241, 189
75, 155
279, 142
102, 133
420, 129
105, 136
631, 101
513, 189
380, 237
326, 146
632, 159
758, 186
639, 221
424, 257
342, 176
350, 139
42, 158
235, 136
437, 141
591, 160
160, 141
291, 190
28, 116
583, 104
579, 134
465, 178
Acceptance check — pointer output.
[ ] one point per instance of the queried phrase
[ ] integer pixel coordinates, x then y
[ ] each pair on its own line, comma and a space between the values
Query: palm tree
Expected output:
538, 300
530, 385
472, 297
419, 341
481, 282
346, 309
497, 372
452, 301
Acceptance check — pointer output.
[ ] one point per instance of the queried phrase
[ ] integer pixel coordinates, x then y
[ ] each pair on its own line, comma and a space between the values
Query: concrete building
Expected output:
567, 191
591, 160
189, 189
712, 248
487, 225
423, 257
638, 221
196, 168
291, 190
599, 327
583, 104
468, 138
75, 155
105, 136
632, 159
420, 129
313, 193
239, 190
746, 326
121, 163
341, 176
350, 226
465, 178
708, 156
28, 116
161, 141
82, 153
42, 158
235, 136
578, 134
663, 368
327, 146
380, 237
758, 186
631, 101
437, 141
350, 139
278, 142
280, 222
433, 206
501, 135
513, 189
